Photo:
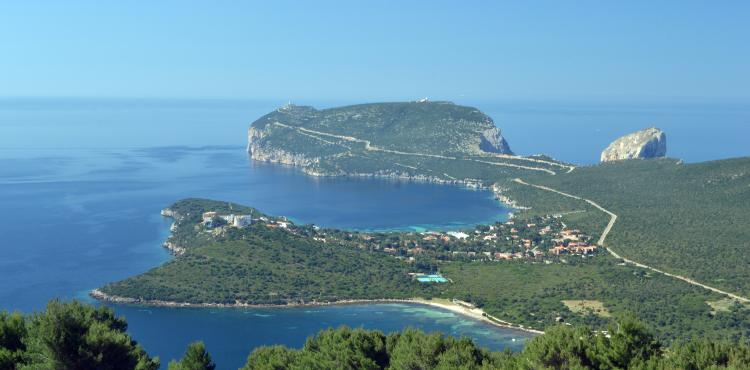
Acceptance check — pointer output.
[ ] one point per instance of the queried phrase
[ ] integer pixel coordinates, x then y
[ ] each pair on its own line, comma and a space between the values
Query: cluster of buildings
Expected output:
212, 219
572, 242
535, 238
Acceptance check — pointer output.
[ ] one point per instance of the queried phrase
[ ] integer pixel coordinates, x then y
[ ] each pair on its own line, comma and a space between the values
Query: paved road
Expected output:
370, 147
603, 237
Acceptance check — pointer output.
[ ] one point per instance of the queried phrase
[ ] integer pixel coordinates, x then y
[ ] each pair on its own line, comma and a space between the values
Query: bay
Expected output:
75, 219
82, 182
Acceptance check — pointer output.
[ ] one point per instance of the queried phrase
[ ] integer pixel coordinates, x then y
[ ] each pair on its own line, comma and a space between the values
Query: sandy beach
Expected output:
461, 308
473, 312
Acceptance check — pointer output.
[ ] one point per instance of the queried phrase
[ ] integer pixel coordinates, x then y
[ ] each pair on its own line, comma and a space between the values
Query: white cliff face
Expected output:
492, 141
647, 143
261, 151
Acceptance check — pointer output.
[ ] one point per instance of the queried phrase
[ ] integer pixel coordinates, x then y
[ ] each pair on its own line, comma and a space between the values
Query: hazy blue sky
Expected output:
356, 50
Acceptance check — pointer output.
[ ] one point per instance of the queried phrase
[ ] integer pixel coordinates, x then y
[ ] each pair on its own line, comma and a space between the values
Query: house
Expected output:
458, 234
208, 216
558, 250
503, 256
238, 221
570, 234
242, 221
585, 249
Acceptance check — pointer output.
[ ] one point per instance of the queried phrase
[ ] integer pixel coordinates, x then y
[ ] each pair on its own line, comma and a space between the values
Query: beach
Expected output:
455, 306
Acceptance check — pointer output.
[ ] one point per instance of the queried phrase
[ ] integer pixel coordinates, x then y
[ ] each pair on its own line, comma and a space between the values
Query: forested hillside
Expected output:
263, 264
627, 345
75, 336
690, 219
276, 262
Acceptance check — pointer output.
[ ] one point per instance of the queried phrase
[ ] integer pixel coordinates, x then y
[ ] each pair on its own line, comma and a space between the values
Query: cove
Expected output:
83, 217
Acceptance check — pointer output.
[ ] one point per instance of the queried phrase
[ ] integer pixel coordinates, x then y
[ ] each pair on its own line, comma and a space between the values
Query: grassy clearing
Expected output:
587, 307
724, 305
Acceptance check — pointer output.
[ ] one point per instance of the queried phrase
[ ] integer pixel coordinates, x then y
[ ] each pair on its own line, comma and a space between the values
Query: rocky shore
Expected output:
309, 167
173, 248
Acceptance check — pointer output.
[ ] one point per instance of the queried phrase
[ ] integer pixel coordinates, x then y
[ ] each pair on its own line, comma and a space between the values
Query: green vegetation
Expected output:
531, 294
263, 265
628, 344
69, 336
196, 358
273, 261
74, 336
690, 219
435, 141
407, 126
586, 307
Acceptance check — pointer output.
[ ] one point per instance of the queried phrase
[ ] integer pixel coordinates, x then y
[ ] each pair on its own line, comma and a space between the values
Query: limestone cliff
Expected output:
353, 140
492, 141
647, 143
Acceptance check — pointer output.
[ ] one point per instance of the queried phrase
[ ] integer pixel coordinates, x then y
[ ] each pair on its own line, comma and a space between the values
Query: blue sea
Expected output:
82, 183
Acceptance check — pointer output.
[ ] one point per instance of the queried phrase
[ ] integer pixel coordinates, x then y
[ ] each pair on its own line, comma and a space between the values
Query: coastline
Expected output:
473, 313
496, 190
305, 167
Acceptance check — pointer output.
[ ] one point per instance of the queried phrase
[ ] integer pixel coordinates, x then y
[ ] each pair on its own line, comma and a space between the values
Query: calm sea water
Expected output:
82, 182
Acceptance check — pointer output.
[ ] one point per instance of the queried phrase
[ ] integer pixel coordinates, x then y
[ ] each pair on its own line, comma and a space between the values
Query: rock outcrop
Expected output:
261, 151
647, 143
493, 142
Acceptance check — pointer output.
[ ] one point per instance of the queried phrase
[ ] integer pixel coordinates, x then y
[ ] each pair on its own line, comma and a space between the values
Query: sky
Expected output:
377, 50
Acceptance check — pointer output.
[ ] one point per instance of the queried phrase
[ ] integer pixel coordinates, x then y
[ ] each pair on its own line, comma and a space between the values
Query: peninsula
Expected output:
431, 141
656, 237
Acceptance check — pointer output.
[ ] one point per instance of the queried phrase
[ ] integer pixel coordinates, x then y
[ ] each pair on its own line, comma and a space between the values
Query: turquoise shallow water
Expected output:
82, 183
74, 220
230, 334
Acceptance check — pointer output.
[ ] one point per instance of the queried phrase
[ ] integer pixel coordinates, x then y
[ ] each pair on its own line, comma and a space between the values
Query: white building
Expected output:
458, 234
238, 221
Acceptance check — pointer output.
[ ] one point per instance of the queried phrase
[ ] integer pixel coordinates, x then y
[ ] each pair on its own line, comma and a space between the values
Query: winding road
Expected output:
374, 148
603, 237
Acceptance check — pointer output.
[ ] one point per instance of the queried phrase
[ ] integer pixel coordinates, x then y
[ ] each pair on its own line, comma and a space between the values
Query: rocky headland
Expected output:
646, 143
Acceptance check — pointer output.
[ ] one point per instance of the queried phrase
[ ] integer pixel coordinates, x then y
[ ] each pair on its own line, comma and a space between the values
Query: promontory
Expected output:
330, 141
646, 143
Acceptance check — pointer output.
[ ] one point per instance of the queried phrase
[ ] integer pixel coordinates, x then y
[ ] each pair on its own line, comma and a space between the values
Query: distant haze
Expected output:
375, 51
574, 132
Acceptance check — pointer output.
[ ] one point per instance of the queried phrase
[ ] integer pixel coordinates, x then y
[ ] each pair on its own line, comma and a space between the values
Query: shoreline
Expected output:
509, 204
473, 313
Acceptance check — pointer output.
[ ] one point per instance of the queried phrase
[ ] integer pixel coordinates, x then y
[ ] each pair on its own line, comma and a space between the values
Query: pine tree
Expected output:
196, 358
